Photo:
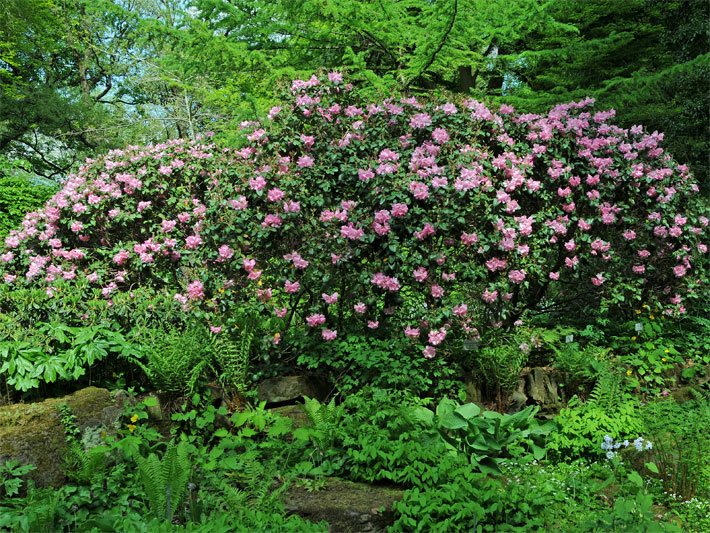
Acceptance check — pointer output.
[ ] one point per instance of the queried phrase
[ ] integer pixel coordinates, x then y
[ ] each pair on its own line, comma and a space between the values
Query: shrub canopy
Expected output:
427, 219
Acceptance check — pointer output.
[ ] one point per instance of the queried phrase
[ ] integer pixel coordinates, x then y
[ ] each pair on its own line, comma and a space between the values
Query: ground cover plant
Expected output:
417, 255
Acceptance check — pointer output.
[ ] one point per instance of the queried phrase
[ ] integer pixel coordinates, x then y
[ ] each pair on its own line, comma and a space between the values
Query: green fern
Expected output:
176, 358
607, 392
83, 465
165, 481
325, 420
233, 356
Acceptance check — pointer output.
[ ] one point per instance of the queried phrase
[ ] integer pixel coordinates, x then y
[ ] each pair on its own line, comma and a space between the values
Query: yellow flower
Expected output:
134, 418
259, 283
638, 311
667, 350
651, 317
628, 372
633, 338
664, 359
131, 428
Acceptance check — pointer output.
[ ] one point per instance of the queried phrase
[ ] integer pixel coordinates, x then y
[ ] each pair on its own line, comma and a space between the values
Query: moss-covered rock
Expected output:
32, 433
348, 507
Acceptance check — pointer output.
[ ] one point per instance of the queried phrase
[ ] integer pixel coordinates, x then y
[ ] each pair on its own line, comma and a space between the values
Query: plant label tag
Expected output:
569, 338
638, 327
469, 345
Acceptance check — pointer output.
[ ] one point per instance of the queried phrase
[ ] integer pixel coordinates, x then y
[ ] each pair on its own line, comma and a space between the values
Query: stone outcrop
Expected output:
32, 433
347, 507
288, 389
539, 386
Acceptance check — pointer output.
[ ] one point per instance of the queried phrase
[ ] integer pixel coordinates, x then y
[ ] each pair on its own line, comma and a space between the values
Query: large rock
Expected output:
32, 433
285, 389
347, 507
539, 386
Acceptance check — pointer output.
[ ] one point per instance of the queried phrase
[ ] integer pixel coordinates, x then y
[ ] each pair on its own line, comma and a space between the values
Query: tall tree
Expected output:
648, 59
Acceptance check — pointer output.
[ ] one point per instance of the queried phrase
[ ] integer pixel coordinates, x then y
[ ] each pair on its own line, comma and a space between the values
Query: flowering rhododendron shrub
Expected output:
431, 220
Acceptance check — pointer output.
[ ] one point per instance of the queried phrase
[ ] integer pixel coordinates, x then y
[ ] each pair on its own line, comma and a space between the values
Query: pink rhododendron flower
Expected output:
257, 183
437, 336
168, 225
225, 252
494, 264
330, 298
425, 232
411, 332
419, 190
292, 287
292, 207
437, 291
271, 221
305, 161
349, 231
429, 352
385, 282
489, 297
275, 195
360, 307
315, 320
420, 120
329, 334
280, 312
679, 271
195, 290
373, 324
192, 242
460, 310
399, 210
240, 203
516, 276
598, 279
121, 257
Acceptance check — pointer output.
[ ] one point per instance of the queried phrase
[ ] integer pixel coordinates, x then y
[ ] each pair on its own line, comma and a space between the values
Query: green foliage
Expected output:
81, 464
19, 194
165, 480
380, 439
629, 513
467, 501
680, 447
499, 365
11, 473
325, 420
176, 357
359, 361
233, 355
582, 425
48, 352
486, 438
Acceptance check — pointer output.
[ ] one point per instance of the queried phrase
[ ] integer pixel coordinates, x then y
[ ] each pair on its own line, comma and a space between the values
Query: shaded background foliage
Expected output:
78, 77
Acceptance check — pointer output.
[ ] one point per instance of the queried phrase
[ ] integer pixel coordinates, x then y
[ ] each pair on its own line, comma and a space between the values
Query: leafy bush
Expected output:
581, 426
19, 193
357, 361
680, 447
176, 358
486, 438
433, 220
468, 501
